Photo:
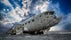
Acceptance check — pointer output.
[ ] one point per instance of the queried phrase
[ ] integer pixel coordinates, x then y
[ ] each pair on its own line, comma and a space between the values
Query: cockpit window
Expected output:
51, 12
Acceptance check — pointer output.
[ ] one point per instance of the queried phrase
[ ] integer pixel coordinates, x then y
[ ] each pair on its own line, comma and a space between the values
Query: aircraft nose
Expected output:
58, 20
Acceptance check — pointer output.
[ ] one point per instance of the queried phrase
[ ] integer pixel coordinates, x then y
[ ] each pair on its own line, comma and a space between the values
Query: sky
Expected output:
14, 11
63, 8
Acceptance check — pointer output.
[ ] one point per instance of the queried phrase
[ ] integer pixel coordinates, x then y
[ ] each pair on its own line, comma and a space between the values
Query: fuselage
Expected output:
39, 22
42, 21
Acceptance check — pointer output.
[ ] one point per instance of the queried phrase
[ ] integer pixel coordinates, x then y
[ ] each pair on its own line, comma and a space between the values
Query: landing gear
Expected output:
39, 32
34, 32
13, 33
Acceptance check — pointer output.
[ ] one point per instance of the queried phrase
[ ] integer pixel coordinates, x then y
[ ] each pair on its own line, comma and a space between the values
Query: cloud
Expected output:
4, 27
17, 14
40, 6
65, 24
56, 28
1, 17
14, 15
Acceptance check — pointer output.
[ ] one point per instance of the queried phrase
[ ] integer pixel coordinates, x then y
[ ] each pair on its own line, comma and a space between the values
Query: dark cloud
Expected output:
67, 27
2, 6
1, 17
4, 28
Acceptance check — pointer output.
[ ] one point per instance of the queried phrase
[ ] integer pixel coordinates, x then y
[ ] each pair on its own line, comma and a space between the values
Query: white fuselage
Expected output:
42, 21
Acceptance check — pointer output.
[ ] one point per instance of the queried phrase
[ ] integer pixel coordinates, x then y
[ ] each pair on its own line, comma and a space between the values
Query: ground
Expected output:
49, 36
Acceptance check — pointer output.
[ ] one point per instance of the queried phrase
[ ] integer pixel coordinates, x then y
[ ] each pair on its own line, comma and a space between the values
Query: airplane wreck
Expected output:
36, 24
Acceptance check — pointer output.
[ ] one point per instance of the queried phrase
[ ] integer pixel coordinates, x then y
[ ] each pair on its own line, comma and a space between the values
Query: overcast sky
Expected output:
62, 9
